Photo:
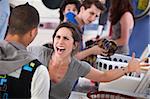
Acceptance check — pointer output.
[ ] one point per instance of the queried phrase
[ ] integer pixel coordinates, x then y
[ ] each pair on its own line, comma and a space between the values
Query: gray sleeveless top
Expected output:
116, 35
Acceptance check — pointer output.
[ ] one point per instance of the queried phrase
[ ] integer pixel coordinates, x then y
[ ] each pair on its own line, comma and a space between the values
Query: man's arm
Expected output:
40, 83
95, 50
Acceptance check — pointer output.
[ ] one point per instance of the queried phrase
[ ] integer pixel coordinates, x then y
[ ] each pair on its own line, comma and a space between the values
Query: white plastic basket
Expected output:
103, 65
117, 58
126, 84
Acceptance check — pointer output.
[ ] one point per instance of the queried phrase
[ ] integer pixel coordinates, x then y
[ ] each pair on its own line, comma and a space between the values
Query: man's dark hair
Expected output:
88, 3
23, 18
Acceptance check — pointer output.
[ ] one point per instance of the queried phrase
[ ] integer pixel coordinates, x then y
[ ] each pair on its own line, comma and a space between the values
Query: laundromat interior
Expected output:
132, 85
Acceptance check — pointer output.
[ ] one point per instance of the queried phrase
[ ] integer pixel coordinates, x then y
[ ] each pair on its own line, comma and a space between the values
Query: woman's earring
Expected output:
74, 48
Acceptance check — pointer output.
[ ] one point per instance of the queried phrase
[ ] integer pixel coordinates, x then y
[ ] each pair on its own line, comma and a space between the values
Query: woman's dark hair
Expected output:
75, 33
118, 8
63, 5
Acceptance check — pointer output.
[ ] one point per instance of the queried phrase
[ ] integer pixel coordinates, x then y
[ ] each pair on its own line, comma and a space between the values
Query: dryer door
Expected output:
141, 8
52, 4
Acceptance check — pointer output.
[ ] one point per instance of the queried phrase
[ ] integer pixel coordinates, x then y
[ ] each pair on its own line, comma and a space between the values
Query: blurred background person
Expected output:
68, 6
122, 21
89, 11
4, 17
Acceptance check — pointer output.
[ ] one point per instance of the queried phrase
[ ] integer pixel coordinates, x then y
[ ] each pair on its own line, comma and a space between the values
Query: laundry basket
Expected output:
117, 58
128, 82
114, 62
122, 88
108, 95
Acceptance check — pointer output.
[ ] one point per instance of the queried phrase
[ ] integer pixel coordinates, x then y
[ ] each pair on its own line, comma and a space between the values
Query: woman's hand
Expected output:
135, 65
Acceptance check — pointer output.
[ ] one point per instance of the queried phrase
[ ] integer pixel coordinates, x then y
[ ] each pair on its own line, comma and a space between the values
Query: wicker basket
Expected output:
108, 95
